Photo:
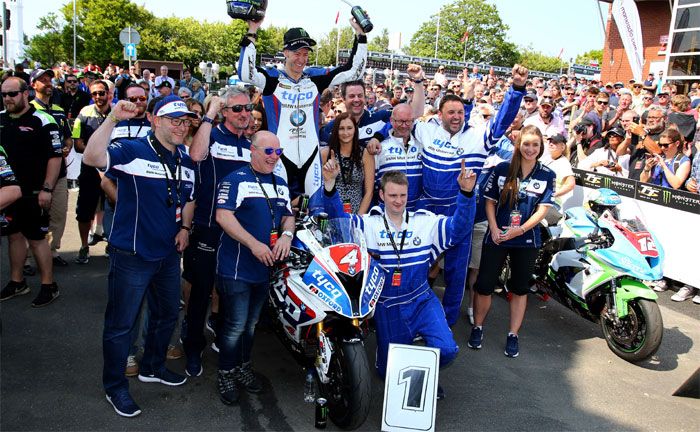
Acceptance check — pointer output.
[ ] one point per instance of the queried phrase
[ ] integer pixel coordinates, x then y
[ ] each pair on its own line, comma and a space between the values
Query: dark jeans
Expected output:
200, 271
243, 302
130, 278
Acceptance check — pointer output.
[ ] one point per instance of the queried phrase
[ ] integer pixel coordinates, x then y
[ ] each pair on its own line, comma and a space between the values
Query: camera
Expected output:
580, 128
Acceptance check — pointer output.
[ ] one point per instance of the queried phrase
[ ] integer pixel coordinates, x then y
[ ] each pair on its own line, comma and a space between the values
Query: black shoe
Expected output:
47, 294
226, 384
94, 239
28, 270
58, 261
245, 376
14, 289
440, 393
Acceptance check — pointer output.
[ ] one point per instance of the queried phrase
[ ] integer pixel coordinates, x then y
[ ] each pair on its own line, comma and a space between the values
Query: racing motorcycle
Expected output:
321, 299
594, 262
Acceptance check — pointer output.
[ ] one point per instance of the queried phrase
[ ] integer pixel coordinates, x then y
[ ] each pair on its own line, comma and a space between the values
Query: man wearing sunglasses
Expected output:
155, 178
253, 209
137, 126
218, 151
90, 193
32, 141
73, 99
291, 99
43, 90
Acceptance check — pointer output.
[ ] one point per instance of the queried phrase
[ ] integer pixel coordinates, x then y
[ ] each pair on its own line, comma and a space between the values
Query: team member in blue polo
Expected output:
152, 219
219, 151
253, 208
518, 194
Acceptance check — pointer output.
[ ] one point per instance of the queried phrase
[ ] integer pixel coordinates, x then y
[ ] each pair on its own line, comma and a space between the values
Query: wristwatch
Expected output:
288, 234
206, 119
46, 189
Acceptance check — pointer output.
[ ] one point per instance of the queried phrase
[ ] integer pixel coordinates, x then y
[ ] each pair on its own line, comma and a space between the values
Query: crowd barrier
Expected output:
673, 216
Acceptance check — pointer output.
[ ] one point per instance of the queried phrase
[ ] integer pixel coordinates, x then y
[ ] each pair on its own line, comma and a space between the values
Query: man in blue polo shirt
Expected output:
152, 219
219, 151
253, 208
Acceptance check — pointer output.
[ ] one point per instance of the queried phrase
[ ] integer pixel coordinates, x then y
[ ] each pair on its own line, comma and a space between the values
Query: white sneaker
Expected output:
660, 285
696, 299
683, 294
470, 313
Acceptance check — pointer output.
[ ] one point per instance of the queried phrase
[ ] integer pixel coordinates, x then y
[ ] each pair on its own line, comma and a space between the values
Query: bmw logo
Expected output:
536, 186
460, 151
298, 118
416, 241
368, 131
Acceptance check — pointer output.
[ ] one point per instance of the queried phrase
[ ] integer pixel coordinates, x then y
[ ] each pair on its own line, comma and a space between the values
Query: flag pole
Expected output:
437, 35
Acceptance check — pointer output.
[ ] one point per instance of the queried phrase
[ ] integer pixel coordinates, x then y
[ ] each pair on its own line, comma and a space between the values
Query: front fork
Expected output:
611, 306
325, 350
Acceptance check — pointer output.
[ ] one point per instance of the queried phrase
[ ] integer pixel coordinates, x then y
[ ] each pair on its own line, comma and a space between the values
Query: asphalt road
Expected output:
564, 379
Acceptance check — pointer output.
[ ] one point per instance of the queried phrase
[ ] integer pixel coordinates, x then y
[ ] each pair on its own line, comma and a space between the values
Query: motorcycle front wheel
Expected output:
639, 334
349, 390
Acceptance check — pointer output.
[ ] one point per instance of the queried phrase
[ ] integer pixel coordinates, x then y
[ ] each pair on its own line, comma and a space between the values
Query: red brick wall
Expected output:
655, 17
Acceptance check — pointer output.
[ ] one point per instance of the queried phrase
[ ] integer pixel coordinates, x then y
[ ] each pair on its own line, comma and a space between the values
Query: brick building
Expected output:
655, 18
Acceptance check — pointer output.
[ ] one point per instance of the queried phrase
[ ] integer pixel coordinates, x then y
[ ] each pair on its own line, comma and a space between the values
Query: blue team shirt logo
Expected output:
416, 241
297, 117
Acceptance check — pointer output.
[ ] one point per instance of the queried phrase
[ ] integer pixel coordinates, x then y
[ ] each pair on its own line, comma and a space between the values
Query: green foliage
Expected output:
380, 42
586, 57
47, 47
535, 60
487, 34
326, 48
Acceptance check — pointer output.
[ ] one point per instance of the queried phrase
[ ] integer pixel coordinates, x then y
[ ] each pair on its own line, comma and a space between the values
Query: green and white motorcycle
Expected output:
595, 262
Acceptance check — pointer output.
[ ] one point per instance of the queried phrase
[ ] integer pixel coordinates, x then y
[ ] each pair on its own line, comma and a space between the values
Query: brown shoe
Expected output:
132, 367
174, 352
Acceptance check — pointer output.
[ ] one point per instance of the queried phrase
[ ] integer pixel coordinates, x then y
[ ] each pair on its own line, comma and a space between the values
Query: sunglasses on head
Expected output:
269, 150
137, 99
10, 93
239, 108
99, 93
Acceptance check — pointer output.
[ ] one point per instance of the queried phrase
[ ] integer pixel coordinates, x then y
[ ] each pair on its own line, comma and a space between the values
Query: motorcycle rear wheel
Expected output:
639, 334
349, 391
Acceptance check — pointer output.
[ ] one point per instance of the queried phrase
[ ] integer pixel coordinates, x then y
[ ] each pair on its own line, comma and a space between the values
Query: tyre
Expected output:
639, 334
349, 390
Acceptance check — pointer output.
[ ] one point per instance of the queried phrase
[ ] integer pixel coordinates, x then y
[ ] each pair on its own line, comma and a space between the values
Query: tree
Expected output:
380, 42
487, 34
326, 48
586, 57
535, 60
47, 47
99, 23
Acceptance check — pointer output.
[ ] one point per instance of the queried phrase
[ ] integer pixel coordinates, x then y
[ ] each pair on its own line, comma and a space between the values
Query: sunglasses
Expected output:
99, 93
179, 122
637, 86
239, 108
571, 94
269, 150
665, 145
601, 102
137, 99
10, 93
71, 81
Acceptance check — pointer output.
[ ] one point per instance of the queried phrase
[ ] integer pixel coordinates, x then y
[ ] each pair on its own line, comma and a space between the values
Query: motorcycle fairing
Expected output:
631, 289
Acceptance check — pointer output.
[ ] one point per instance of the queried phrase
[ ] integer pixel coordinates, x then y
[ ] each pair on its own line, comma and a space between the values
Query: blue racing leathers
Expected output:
442, 157
410, 308
292, 111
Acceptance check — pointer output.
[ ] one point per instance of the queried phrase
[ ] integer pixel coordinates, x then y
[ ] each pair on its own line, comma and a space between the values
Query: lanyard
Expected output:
267, 198
167, 170
128, 130
398, 250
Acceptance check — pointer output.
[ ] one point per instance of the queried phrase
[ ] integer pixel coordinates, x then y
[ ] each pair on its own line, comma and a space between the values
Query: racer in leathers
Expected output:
445, 144
408, 243
291, 99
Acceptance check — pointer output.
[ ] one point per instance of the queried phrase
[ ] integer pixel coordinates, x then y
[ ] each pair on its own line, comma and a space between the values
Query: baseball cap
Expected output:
586, 121
38, 73
619, 85
297, 38
558, 138
617, 131
530, 95
164, 83
547, 101
609, 84
172, 106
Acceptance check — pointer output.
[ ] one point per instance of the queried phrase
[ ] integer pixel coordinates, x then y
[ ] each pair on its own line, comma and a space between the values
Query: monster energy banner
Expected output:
675, 199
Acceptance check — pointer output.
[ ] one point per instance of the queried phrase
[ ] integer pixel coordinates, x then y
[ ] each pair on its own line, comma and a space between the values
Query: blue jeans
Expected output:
242, 303
130, 278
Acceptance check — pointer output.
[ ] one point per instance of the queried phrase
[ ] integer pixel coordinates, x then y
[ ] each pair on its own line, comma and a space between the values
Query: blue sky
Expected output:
546, 25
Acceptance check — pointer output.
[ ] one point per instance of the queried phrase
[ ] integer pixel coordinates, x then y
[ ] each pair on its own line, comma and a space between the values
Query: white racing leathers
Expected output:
292, 112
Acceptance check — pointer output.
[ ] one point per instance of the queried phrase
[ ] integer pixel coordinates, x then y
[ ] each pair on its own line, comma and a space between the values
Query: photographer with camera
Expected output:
640, 142
605, 160
586, 140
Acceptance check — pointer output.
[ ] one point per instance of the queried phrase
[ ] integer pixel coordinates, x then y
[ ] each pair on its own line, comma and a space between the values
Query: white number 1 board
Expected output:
410, 388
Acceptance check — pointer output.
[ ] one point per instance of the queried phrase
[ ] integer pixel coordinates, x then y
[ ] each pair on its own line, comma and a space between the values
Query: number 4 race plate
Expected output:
410, 389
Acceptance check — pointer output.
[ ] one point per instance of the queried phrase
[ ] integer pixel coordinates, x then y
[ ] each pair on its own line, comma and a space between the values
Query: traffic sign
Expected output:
129, 35
130, 49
